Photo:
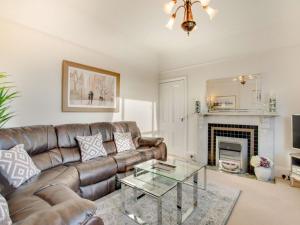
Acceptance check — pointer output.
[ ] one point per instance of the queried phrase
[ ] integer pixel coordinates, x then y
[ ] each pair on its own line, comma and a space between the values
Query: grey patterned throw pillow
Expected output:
17, 166
91, 147
4, 212
124, 141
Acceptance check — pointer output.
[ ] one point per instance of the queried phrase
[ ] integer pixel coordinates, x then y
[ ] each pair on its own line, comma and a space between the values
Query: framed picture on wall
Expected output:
225, 102
89, 89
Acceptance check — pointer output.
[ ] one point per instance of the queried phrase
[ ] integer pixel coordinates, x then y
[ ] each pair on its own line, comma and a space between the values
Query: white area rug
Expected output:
214, 207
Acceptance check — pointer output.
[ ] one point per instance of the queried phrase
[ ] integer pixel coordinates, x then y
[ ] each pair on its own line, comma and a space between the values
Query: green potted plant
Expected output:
7, 94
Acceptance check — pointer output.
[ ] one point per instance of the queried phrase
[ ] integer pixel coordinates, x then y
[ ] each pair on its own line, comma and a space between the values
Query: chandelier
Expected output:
188, 23
244, 78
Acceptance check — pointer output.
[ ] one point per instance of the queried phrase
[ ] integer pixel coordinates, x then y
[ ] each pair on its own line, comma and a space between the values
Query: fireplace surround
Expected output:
249, 132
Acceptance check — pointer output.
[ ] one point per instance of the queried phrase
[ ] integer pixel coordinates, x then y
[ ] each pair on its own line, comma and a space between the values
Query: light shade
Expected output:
169, 6
171, 22
205, 2
211, 12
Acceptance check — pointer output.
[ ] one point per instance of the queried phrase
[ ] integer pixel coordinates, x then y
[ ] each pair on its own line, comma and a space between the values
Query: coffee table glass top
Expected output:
173, 169
150, 183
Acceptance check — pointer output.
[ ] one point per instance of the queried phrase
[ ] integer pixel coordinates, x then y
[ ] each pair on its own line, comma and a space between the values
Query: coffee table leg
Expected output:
195, 189
179, 203
205, 177
123, 196
159, 211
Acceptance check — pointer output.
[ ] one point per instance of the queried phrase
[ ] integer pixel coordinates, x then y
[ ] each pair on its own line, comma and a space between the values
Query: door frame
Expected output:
185, 79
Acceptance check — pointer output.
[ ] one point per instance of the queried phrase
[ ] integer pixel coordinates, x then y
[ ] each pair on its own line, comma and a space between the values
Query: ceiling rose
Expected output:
188, 23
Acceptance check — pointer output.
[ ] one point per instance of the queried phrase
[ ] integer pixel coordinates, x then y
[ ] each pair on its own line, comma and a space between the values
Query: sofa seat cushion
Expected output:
96, 170
53, 204
126, 160
57, 175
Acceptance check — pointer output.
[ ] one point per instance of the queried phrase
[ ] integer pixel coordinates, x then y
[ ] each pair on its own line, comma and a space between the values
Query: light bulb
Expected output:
211, 12
169, 6
171, 22
205, 3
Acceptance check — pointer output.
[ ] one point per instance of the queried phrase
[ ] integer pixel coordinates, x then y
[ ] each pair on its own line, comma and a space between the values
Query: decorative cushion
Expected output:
91, 147
16, 165
4, 213
124, 141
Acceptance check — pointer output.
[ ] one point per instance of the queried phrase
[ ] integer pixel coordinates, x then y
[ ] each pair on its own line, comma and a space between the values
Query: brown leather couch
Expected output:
63, 192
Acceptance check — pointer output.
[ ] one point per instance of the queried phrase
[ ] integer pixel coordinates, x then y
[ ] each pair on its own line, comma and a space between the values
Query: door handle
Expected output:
182, 119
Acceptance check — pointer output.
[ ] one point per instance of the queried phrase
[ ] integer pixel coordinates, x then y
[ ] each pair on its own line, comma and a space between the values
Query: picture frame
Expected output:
89, 89
225, 102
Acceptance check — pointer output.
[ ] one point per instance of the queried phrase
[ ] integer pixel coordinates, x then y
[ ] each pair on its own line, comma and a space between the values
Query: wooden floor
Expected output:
261, 203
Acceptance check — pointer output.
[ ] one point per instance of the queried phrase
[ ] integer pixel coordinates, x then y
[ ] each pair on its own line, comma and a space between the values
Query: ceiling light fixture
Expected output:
243, 79
188, 23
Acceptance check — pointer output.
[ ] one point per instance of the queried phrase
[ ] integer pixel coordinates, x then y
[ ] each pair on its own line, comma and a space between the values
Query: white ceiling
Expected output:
135, 29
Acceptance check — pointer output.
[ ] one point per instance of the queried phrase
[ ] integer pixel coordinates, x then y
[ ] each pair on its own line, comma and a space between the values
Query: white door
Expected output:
173, 118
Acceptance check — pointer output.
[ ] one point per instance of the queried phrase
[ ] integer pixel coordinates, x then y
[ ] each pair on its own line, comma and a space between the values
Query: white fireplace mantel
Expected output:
260, 114
265, 123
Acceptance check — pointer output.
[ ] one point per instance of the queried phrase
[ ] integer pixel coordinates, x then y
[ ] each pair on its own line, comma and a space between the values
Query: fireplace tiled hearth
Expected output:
249, 132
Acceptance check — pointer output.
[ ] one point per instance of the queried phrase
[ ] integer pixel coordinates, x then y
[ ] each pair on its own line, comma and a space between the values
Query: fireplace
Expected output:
240, 135
232, 154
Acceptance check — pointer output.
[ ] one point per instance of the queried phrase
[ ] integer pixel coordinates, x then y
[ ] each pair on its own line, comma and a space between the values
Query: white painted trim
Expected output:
172, 80
185, 79
221, 60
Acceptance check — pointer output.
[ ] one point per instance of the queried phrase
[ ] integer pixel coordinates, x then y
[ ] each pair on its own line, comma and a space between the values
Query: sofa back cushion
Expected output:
66, 139
40, 142
106, 130
128, 126
36, 139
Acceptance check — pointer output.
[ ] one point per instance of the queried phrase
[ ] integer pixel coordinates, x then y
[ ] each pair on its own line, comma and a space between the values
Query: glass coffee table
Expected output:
156, 178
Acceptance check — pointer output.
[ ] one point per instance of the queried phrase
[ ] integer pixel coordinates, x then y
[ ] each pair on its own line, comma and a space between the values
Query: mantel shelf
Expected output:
260, 114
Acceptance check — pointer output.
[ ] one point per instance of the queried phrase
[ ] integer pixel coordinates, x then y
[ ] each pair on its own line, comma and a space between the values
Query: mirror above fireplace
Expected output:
234, 94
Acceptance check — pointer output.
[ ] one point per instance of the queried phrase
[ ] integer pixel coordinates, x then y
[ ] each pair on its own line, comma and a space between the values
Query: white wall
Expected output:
280, 70
34, 60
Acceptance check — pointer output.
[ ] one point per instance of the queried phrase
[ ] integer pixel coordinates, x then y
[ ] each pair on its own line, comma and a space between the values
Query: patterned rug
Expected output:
214, 207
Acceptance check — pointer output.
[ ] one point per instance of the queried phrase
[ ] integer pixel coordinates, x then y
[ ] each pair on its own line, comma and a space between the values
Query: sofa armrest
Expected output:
65, 207
150, 141
69, 212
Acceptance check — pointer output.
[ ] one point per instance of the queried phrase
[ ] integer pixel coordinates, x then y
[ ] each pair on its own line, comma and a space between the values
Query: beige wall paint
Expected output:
280, 70
34, 59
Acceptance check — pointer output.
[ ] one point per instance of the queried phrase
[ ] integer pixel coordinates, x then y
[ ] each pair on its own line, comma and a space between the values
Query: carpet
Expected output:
214, 206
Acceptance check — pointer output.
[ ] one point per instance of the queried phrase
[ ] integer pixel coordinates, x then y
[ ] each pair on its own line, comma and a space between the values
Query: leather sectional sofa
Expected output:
63, 192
